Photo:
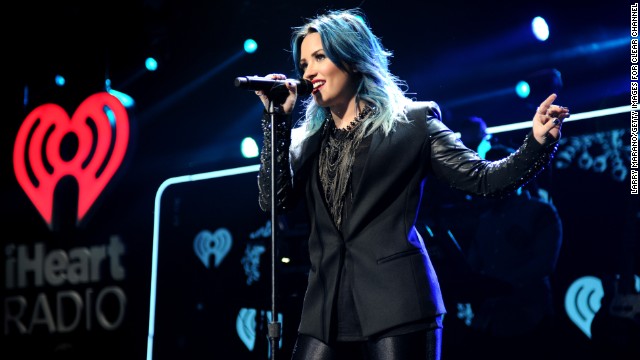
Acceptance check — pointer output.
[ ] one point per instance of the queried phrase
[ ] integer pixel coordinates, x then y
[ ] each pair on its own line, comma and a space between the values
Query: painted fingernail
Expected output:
556, 121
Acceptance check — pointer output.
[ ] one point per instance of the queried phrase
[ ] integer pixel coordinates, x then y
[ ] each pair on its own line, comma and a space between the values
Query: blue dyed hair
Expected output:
351, 45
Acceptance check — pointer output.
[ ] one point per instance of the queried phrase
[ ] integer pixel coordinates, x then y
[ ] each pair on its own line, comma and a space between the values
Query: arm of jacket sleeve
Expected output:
463, 169
282, 166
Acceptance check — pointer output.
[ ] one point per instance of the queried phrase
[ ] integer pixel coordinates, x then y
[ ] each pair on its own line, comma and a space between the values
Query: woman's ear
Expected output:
349, 68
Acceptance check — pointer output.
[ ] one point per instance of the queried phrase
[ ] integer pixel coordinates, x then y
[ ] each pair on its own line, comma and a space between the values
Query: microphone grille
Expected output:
240, 81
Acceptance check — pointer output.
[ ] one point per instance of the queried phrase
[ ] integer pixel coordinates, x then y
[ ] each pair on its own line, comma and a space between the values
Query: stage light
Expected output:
540, 28
484, 146
60, 80
249, 148
574, 117
151, 64
250, 46
523, 89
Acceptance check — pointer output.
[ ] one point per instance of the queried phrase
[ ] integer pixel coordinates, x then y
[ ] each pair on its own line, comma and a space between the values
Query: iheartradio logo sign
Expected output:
99, 127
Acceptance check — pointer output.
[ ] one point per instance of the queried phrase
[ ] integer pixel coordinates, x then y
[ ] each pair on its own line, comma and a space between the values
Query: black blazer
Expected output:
393, 279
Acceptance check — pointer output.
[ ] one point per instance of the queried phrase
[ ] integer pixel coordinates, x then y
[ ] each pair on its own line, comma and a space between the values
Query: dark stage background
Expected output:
200, 245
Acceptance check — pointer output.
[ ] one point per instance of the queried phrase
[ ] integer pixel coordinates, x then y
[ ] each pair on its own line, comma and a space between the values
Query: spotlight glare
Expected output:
151, 64
523, 89
60, 81
485, 146
540, 28
250, 46
249, 148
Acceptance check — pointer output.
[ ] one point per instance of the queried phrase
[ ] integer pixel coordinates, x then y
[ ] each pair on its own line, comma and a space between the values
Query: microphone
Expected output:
303, 86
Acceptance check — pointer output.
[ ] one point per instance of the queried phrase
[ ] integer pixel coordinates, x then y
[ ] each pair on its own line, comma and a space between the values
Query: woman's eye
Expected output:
320, 57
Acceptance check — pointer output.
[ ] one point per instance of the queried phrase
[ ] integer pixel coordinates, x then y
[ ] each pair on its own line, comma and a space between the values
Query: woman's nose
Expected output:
308, 74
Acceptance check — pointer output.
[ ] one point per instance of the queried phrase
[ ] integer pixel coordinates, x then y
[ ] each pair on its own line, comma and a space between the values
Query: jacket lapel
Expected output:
366, 181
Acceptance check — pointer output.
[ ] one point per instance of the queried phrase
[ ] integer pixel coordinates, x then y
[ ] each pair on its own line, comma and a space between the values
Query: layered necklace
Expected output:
337, 156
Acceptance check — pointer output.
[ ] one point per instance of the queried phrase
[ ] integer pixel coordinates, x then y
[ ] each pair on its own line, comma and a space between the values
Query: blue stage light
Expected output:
523, 89
249, 148
250, 46
540, 28
60, 80
151, 64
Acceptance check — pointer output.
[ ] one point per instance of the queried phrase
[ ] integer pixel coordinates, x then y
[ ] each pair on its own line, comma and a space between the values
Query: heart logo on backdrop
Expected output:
247, 323
217, 244
246, 327
582, 301
100, 126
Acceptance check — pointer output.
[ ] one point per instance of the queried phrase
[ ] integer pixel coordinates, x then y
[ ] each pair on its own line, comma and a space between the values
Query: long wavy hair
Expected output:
351, 45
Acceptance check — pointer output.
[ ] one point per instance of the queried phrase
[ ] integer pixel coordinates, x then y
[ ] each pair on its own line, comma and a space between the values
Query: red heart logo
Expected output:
101, 126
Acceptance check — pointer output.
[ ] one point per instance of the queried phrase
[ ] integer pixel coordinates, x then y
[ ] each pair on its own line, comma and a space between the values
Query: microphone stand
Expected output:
274, 327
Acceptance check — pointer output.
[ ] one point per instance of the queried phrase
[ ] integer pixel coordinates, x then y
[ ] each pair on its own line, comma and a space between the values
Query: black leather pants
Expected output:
421, 345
